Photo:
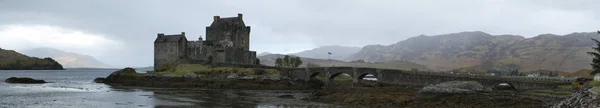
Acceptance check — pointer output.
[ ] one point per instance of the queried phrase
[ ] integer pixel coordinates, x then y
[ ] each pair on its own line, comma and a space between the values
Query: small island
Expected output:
208, 76
12, 60
24, 80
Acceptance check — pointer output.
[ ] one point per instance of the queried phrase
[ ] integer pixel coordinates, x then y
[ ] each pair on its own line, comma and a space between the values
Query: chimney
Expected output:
216, 18
240, 15
183, 33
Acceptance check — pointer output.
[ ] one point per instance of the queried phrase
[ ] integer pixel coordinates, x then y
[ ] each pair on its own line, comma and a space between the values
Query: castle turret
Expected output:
216, 18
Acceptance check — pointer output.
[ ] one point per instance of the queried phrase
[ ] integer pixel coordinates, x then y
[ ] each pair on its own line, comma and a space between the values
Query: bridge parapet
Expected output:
401, 77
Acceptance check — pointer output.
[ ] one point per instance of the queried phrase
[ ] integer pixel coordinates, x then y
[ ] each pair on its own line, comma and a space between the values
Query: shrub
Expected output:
259, 71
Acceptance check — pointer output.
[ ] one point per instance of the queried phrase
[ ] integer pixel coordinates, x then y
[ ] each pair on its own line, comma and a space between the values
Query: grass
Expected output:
341, 77
548, 91
560, 90
595, 83
194, 69
565, 87
597, 90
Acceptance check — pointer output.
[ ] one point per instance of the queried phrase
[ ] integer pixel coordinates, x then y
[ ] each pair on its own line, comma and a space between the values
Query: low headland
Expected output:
12, 60
24, 80
466, 94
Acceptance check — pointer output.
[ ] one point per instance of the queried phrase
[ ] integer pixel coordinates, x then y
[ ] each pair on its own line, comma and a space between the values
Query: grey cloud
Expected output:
278, 25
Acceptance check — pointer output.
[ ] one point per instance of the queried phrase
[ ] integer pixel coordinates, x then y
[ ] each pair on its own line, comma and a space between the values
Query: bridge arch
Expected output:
504, 86
313, 75
367, 79
341, 76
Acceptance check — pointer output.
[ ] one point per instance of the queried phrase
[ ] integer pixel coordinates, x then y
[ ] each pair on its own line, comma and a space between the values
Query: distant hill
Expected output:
144, 69
402, 65
12, 60
264, 53
338, 52
482, 51
580, 73
67, 59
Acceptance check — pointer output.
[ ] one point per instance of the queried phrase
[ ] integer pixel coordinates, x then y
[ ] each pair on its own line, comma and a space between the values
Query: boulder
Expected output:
120, 74
125, 71
24, 80
455, 87
232, 76
99, 80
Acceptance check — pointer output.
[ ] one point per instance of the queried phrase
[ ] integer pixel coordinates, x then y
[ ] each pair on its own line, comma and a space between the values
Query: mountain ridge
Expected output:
68, 59
479, 49
269, 60
337, 52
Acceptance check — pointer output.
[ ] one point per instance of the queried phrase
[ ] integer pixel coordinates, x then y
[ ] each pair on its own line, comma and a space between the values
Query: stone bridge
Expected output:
400, 77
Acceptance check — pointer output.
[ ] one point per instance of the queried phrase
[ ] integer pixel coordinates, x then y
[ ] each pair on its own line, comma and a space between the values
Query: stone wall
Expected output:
399, 77
165, 53
194, 50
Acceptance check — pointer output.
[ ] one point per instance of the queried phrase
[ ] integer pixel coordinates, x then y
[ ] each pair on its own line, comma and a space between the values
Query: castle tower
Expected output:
230, 30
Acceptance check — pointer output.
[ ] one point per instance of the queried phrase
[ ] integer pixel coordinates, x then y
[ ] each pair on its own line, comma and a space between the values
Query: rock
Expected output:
232, 76
272, 78
580, 99
246, 78
286, 97
24, 80
99, 80
455, 87
125, 71
117, 74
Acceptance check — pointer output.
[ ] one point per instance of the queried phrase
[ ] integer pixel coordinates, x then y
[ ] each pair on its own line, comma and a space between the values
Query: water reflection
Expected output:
75, 89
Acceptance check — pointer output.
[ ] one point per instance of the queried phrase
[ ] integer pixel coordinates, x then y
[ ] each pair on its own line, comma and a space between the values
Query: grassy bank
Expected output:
402, 97
196, 69
199, 76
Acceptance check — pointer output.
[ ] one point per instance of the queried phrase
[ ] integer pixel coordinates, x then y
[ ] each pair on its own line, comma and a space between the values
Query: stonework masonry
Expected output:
227, 41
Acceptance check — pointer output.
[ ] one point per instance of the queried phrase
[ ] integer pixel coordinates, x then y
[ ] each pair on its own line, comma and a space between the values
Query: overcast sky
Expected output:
121, 32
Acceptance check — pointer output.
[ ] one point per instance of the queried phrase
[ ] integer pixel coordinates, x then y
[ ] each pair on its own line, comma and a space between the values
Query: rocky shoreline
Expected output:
409, 97
580, 99
465, 94
128, 77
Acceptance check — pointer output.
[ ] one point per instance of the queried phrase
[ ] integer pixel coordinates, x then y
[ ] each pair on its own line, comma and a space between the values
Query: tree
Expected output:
257, 61
297, 62
596, 58
289, 62
286, 61
514, 72
278, 62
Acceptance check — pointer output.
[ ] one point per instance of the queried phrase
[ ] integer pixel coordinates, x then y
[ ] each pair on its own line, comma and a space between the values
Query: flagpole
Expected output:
329, 59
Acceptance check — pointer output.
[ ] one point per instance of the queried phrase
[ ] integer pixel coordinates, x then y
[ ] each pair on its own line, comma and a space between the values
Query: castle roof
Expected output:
168, 38
228, 21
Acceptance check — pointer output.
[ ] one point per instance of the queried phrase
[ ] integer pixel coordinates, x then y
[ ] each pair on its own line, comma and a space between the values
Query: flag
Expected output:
329, 53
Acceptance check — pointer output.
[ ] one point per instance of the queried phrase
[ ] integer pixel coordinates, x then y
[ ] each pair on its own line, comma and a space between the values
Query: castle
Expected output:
227, 41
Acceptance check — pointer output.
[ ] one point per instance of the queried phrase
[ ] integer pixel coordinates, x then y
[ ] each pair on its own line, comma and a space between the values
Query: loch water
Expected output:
74, 88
